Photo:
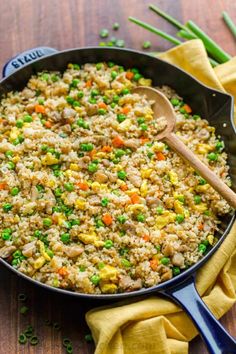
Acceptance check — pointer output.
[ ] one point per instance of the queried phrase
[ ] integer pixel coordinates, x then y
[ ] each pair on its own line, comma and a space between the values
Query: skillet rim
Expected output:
182, 276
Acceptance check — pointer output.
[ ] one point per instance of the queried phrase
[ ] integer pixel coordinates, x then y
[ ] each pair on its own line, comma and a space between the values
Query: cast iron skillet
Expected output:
215, 106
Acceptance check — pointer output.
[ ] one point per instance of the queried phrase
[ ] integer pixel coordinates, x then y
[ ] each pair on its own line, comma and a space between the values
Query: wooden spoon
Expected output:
163, 108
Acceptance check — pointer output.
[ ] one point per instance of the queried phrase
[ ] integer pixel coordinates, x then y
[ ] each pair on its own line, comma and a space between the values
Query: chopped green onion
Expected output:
24, 310
146, 45
116, 26
22, 297
155, 30
108, 244
22, 338
229, 23
34, 340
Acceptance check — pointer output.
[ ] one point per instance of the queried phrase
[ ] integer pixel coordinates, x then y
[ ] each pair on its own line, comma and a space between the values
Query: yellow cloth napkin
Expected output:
156, 325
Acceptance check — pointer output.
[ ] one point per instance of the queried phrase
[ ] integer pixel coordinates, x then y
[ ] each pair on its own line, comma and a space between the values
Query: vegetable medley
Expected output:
89, 200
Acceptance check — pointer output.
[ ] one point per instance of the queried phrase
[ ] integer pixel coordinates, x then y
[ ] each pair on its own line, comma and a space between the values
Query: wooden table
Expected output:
63, 24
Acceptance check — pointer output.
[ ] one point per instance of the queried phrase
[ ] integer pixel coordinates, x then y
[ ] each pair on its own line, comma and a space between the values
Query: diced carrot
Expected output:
48, 124
200, 227
117, 141
154, 264
135, 198
102, 105
39, 108
107, 219
129, 75
63, 271
88, 83
160, 156
106, 148
92, 153
187, 108
83, 185
144, 140
124, 187
125, 110
146, 238
3, 185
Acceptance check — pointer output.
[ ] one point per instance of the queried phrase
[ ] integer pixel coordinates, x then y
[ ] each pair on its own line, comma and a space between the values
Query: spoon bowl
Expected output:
163, 108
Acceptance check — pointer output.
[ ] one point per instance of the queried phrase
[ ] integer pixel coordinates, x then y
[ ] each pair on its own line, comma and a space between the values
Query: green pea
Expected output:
47, 222
121, 219
110, 64
140, 120
99, 66
75, 222
116, 26
202, 181
158, 248
165, 260
7, 207
80, 94
121, 117
202, 248
37, 233
140, 218
74, 83
108, 244
220, 146
125, 91
181, 199
175, 101
76, 104
104, 202
212, 156
19, 123
175, 271
86, 147
6, 234
119, 153
82, 268
95, 279
121, 175
99, 223
28, 118
92, 167
114, 74
69, 99
179, 218
143, 127
137, 77
95, 92
146, 45
76, 66
9, 153
197, 199
65, 238
69, 187
15, 191
112, 105
115, 99
196, 117
54, 78
102, 111
104, 33
81, 123
11, 165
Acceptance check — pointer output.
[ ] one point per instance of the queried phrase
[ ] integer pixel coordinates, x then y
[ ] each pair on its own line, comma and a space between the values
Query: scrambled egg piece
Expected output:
179, 209
90, 238
145, 82
42, 251
204, 148
108, 273
14, 133
49, 159
39, 262
210, 239
80, 204
166, 218
108, 288
124, 126
146, 173
202, 188
144, 189
200, 207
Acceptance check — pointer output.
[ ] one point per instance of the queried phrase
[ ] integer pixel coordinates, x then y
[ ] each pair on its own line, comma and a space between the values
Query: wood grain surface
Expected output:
72, 23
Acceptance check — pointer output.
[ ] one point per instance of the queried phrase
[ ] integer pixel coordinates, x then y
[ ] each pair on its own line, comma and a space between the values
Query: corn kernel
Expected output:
39, 262
108, 288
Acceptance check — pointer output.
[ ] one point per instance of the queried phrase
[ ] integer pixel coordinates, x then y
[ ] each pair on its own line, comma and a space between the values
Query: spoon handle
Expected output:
176, 144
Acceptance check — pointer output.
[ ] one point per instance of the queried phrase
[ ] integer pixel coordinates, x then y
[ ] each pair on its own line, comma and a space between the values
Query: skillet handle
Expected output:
217, 340
24, 58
